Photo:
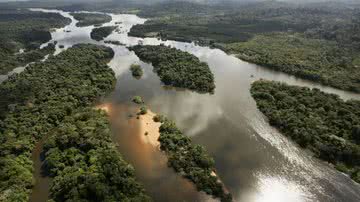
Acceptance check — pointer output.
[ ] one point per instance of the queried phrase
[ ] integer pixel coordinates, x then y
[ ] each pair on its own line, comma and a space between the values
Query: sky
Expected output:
201, 0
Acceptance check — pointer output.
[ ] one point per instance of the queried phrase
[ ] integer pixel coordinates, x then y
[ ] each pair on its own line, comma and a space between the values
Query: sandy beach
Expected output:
149, 129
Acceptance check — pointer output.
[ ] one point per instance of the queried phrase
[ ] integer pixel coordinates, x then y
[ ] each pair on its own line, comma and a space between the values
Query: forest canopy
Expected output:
321, 122
86, 165
36, 101
101, 33
190, 160
177, 68
88, 19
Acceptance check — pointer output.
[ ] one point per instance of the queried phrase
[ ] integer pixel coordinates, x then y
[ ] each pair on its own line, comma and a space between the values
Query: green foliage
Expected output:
37, 100
143, 110
114, 42
191, 161
138, 100
177, 68
321, 122
136, 70
87, 19
100, 33
86, 165
11, 61
319, 60
23, 29
159, 118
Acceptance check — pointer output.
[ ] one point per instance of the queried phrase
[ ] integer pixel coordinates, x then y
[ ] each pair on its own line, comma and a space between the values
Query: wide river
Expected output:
255, 162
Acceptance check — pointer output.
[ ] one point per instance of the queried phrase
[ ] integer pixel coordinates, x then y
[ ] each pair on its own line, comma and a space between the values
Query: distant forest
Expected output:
319, 42
27, 30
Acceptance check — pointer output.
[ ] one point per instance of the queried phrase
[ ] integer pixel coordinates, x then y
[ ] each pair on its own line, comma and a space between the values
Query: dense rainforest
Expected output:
86, 165
279, 35
321, 122
88, 19
26, 30
101, 33
191, 161
50, 99
177, 68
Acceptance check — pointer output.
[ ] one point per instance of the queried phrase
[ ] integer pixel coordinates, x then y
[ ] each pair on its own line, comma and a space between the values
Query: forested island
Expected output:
88, 19
319, 42
177, 68
320, 122
190, 160
26, 30
51, 100
136, 71
101, 33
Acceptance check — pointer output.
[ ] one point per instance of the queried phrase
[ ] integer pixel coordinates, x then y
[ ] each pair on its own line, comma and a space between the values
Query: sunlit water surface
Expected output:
256, 162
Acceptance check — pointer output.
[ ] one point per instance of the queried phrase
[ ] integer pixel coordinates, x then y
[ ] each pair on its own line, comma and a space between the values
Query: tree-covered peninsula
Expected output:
101, 33
321, 122
190, 160
88, 19
52, 99
177, 68
26, 30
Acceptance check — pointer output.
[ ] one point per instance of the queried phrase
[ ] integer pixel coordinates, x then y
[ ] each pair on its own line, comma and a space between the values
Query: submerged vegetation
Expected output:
136, 71
191, 161
138, 100
100, 33
25, 30
143, 110
321, 122
177, 68
87, 19
35, 103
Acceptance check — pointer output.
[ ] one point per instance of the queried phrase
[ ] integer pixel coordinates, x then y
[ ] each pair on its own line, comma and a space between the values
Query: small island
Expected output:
100, 33
88, 19
177, 68
318, 121
136, 71
118, 43
137, 100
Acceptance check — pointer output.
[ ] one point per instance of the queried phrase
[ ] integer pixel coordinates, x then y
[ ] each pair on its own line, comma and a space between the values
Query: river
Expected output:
255, 162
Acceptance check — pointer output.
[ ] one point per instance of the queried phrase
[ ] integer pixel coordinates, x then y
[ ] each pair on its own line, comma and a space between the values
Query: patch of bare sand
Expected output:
149, 129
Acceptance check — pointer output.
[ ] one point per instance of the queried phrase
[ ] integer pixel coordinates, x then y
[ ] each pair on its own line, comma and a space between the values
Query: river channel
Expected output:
255, 162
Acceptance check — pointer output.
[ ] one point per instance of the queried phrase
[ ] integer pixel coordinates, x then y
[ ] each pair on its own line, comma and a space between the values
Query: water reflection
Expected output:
253, 159
160, 181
